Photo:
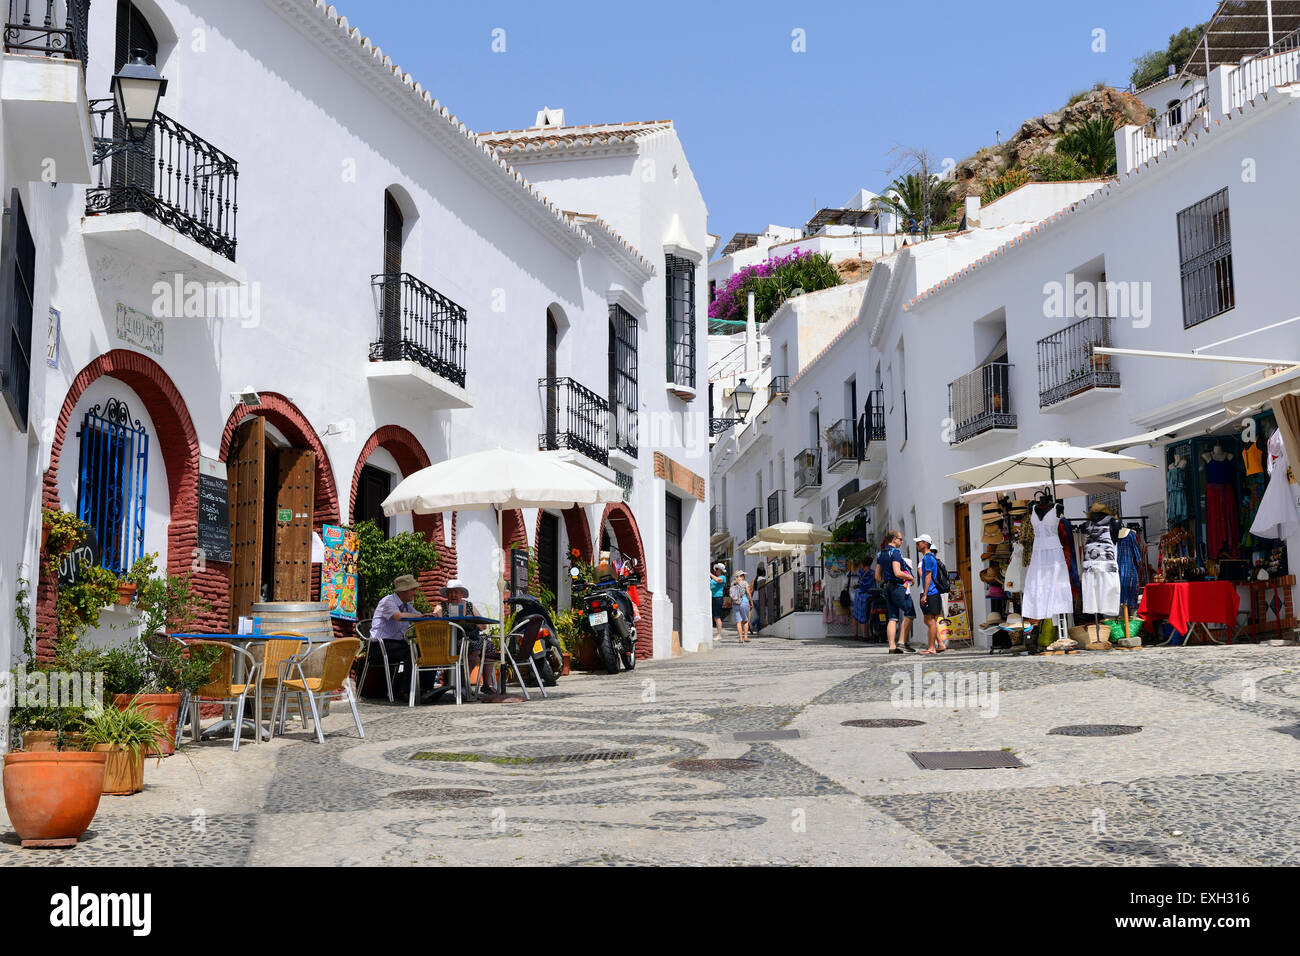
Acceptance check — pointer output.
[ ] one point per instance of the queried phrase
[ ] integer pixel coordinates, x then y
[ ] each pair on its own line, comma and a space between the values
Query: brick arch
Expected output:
410, 457
179, 445
513, 531
578, 530
628, 535
285, 416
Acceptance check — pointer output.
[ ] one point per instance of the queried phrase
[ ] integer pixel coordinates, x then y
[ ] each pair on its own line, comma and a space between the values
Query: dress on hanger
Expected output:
1176, 494
1013, 579
1047, 579
1129, 553
1278, 515
1221, 527
1099, 580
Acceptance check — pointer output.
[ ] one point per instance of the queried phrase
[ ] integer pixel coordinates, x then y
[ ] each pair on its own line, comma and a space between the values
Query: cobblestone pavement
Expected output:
592, 775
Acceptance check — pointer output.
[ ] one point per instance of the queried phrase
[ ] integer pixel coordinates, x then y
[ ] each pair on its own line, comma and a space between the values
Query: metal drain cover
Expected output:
964, 759
511, 760
1095, 730
447, 794
721, 763
766, 735
882, 722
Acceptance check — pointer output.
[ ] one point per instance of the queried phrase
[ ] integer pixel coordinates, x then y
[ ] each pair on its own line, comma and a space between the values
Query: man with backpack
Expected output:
934, 584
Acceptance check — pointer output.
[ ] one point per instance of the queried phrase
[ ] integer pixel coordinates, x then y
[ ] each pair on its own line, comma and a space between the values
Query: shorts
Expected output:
932, 606
740, 612
898, 603
718, 611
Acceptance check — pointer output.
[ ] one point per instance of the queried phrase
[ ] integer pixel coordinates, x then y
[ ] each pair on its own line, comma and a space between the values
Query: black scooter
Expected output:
538, 639
609, 617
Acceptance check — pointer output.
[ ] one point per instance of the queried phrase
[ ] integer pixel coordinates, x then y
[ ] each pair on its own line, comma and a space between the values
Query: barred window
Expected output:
679, 283
1205, 259
19, 269
113, 477
623, 399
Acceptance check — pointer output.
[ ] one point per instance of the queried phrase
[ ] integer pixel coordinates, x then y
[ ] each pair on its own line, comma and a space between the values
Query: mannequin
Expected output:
1221, 525
1176, 490
1255, 457
1047, 579
1100, 575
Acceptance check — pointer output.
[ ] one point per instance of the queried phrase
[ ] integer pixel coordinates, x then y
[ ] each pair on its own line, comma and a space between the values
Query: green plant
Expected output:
1092, 143
131, 729
144, 568
381, 559
27, 715
65, 532
1154, 64
1057, 168
162, 667
908, 199
78, 605
23, 612
165, 602
1011, 179
568, 630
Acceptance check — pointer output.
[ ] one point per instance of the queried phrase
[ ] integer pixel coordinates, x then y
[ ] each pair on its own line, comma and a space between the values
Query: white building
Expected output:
307, 223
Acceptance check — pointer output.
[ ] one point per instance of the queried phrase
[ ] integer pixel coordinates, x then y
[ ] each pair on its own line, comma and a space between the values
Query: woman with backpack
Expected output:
741, 602
931, 594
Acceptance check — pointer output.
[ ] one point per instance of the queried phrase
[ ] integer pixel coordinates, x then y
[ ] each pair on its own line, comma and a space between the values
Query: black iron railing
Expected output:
775, 508
679, 287
1067, 364
841, 444
719, 425
170, 175
717, 520
575, 417
54, 28
780, 387
980, 401
871, 423
417, 323
807, 470
751, 524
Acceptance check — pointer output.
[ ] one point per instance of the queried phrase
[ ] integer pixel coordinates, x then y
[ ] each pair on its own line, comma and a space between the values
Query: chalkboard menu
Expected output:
214, 511
518, 570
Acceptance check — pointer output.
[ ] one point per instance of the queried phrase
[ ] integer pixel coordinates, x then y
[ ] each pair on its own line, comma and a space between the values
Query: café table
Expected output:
1190, 606
228, 722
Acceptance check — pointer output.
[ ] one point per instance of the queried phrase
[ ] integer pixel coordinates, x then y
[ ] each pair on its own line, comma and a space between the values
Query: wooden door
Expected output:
294, 500
961, 514
673, 555
245, 467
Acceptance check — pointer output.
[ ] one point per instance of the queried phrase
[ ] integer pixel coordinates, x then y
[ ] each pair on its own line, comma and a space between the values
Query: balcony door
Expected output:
552, 383
134, 167
673, 555
391, 308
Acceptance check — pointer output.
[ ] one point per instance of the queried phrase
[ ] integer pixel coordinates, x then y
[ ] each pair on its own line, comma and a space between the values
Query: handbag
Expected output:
844, 598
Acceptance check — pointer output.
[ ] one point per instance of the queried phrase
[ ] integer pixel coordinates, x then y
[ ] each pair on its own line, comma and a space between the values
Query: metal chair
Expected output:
520, 630
435, 647
363, 633
274, 655
221, 686
336, 667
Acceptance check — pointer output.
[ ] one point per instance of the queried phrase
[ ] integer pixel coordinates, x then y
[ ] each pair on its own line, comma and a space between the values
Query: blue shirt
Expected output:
716, 587
383, 626
886, 561
930, 566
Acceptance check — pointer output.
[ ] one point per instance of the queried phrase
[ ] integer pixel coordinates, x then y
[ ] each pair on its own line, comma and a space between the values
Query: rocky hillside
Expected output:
1038, 137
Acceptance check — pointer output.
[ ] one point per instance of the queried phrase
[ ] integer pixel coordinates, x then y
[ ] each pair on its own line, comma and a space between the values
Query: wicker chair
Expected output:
363, 632
435, 647
336, 667
221, 687
517, 635
275, 660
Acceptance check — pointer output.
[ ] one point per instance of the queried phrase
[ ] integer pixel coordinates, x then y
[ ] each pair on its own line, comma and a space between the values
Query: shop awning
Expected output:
857, 501
1274, 388
1159, 434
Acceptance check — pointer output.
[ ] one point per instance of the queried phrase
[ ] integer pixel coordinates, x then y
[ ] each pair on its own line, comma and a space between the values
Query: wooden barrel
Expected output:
311, 619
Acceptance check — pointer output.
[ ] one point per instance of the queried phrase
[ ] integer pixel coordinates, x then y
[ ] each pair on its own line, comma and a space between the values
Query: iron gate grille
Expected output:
679, 281
1205, 257
114, 475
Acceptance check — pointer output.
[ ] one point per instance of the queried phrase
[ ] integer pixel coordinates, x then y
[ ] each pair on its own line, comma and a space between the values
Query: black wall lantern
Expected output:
137, 88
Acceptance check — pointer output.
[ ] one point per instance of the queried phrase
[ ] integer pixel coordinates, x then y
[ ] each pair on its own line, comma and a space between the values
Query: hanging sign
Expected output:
74, 564
518, 570
338, 571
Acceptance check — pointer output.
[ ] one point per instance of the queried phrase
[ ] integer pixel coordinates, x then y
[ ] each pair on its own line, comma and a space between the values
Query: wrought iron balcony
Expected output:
717, 520
775, 508
980, 401
841, 446
751, 524
780, 387
807, 472
1067, 365
575, 417
418, 324
170, 175
53, 28
871, 423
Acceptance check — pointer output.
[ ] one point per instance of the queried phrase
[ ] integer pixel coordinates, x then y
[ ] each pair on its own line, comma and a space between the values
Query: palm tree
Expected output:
1092, 143
906, 197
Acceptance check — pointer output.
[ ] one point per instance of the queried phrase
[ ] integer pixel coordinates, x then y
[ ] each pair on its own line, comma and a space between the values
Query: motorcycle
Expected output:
609, 616
538, 640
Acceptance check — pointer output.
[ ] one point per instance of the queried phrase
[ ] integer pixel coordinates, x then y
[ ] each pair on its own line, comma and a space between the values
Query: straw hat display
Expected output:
994, 620
993, 533
991, 575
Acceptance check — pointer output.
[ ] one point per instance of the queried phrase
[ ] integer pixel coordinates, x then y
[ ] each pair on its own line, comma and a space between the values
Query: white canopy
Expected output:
795, 532
776, 548
1046, 462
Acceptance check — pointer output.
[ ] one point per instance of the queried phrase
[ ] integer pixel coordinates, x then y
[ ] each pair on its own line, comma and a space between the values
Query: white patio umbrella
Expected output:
775, 548
1065, 488
1046, 462
502, 480
795, 532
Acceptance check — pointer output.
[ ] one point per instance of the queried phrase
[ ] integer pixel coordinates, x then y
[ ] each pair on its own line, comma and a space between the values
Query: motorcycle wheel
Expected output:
629, 659
608, 656
550, 673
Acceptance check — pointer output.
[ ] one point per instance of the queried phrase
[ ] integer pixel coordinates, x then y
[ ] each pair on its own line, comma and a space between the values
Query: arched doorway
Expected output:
620, 536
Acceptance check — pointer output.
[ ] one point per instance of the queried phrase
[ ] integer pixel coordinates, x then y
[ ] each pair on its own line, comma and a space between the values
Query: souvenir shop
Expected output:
1040, 567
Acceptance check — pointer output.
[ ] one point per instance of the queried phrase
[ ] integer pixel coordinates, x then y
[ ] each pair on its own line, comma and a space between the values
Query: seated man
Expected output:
389, 624
456, 592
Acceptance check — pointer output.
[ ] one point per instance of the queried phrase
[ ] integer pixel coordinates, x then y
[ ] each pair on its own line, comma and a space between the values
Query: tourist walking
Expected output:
760, 579
742, 599
894, 580
931, 597
717, 588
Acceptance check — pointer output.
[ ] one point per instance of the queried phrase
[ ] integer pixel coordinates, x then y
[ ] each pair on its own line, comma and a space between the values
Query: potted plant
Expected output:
144, 568
52, 795
124, 735
153, 677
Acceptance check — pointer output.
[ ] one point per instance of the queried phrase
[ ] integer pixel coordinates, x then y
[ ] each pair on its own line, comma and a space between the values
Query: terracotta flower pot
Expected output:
123, 771
567, 658
125, 591
46, 741
52, 797
164, 707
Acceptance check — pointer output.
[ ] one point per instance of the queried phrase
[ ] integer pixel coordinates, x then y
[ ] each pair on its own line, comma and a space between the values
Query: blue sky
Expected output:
770, 132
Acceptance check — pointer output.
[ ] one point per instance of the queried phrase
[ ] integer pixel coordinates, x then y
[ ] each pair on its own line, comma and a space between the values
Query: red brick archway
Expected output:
411, 457
628, 535
179, 445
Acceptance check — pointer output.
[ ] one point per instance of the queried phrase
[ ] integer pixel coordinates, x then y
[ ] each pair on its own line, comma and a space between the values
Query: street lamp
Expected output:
743, 396
137, 88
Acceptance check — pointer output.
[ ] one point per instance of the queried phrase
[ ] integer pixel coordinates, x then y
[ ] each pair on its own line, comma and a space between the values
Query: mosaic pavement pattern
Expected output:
593, 776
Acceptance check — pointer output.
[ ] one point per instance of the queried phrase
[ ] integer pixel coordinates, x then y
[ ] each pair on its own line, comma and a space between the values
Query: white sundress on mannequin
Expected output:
1047, 579
1278, 515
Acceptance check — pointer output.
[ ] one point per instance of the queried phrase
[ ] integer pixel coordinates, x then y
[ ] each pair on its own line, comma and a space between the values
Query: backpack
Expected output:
940, 577
737, 593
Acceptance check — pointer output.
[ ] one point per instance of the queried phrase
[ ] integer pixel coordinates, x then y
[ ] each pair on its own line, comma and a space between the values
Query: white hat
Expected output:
740, 574
926, 538
719, 567
454, 583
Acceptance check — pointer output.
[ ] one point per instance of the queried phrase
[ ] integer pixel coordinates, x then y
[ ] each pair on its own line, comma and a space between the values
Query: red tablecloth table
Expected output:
1190, 603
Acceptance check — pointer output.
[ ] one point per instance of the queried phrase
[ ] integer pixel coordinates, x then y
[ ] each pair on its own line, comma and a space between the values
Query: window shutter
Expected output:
17, 267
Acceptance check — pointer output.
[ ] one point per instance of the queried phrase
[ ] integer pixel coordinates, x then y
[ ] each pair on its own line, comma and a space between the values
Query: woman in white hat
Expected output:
456, 591
717, 588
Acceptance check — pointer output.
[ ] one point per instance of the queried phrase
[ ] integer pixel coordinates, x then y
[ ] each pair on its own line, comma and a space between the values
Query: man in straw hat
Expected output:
388, 625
